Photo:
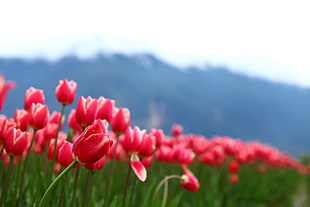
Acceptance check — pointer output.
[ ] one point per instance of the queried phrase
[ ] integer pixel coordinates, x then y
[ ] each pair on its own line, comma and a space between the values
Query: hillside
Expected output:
211, 102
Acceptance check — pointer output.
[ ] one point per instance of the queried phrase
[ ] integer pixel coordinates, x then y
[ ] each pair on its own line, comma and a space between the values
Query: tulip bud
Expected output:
33, 96
65, 91
38, 115
93, 143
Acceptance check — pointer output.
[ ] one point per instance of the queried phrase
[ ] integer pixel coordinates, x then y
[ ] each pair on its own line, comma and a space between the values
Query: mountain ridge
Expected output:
214, 101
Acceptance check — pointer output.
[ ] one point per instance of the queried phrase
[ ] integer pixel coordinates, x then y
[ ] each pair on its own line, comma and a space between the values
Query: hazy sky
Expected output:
266, 38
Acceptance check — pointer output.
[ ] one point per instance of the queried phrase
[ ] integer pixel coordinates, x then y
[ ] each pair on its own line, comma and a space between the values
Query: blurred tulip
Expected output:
72, 122
4, 89
189, 181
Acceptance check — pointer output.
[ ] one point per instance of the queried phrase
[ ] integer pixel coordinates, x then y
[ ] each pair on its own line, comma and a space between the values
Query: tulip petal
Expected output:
138, 167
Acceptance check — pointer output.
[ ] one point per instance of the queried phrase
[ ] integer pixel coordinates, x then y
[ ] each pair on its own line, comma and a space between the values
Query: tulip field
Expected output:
103, 160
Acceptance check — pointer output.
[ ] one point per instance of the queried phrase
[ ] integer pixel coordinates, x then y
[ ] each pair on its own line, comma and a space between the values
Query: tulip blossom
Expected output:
184, 156
234, 178
72, 122
55, 117
65, 91
65, 157
176, 130
38, 115
93, 143
21, 119
95, 166
50, 150
189, 181
4, 88
105, 109
233, 166
33, 95
16, 141
159, 136
138, 167
120, 121
86, 110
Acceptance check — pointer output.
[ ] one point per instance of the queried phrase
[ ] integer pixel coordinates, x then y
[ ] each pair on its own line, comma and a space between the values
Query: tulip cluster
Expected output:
101, 133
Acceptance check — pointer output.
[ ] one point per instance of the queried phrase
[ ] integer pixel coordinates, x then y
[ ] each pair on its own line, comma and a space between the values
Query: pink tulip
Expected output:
4, 88
176, 130
72, 122
105, 109
65, 91
189, 181
120, 121
21, 119
95, 166
33, 96
38, 115
86, 110
93, 143
65, 157
16, 141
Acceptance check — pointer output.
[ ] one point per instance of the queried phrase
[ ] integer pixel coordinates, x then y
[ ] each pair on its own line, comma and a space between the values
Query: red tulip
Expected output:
234, 178
65, 157
95, 166
184, 156
120, 121
72, 122
159, 135
233, 166
16, 141
93, 143
65, 91
33, 96
176, 130
86, 110
54, 118
105, 109
38, 115
4, 88
50, 150
189, 181
21, 119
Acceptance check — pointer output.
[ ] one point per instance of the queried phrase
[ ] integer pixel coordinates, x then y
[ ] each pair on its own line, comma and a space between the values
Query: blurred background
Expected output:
229, 68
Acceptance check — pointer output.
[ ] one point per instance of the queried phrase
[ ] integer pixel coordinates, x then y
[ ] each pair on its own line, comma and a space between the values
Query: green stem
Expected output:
132, 191
107, 186
6, 181
163, 204
62, 191
126, 185
88, 185
57, 133
55, 181
20, 194
166, 179
76, 177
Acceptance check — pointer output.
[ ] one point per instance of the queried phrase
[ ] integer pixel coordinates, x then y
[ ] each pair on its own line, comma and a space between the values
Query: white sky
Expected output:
266, 38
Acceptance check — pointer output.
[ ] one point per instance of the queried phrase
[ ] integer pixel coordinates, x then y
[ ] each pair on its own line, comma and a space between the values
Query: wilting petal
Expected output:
138, 167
